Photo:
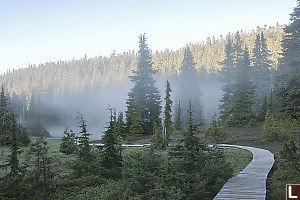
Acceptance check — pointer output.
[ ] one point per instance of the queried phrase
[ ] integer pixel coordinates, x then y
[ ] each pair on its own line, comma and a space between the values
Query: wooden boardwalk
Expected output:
251, 182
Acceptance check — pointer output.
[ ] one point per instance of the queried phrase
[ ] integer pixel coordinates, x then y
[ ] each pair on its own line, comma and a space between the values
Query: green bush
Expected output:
69, 186
289, 123
215, 131
286, 171
108, 191
148, 175
68, 142
272, 131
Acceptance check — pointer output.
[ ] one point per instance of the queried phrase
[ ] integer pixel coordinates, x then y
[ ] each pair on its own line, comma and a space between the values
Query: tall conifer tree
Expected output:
243, 94
238, 50
13, 178
144, 99
227, 73
40, 172
262, 76
263, 111
83, 140
288, 92
111, 160
233, 64
168, 110
5, 121
189, 87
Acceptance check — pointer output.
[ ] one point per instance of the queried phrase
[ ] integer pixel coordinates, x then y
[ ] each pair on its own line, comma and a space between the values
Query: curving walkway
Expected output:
251, 182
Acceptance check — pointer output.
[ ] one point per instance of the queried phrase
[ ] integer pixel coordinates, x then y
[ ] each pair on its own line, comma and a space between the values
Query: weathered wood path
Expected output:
251, 182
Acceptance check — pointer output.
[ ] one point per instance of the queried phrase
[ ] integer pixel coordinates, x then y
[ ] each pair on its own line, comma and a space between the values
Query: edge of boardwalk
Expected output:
250, 183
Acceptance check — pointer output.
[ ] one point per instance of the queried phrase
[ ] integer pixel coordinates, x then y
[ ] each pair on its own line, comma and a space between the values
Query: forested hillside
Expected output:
54, 92
70, 77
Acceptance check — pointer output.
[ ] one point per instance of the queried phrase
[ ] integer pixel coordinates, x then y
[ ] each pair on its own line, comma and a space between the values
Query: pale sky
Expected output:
38, 31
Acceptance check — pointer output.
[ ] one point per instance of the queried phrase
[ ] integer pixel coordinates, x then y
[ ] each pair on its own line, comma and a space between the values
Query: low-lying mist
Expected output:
94, 104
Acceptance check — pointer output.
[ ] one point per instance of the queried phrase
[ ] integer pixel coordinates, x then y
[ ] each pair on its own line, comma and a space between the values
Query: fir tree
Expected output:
188, 64
263, 111
68, 142
272, 131
135, 122
23, 135
40, 173
13, 178
227, 75
83, 140
111, 160
215, 132
189, 87
272, 102
262, 68
144, 98
5, 121
238, 50
177, 123
121, 125
191, 151
291, 152
288, 91
167, 111
243, 95
157, 139
191, 142
257, 52
229, 59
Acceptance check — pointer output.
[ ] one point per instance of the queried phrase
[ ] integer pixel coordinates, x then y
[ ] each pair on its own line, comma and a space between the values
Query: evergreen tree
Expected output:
191, 142
111, 160
272, 131
40, 174
272, 102
135, 122
257, 52
238, 50
262, 76
227, 75
229, 58
121, 125
83, 140
14, 177
23, 135
243, 94
215, 132
177, 123
189, 87
157, 138
144, 98
68, 143
5, 121
117, 128
191, 151
263, 111
167, 111
288, 91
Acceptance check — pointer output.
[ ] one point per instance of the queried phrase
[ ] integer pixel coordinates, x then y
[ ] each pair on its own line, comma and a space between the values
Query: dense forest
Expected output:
71, 77
56, 90
162, 98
